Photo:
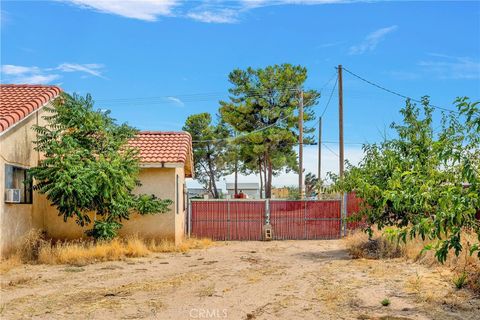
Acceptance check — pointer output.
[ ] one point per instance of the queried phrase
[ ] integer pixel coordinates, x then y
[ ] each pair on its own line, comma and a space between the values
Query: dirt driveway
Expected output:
237, 280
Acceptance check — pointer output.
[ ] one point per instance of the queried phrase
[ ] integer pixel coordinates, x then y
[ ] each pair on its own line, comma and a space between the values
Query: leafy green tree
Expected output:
293, 193
424, 184
209, 149
268, 98
88, 168
312, 184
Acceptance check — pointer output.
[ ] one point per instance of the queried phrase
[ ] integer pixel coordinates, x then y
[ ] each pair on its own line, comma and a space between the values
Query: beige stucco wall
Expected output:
157, 181
182, 206
16, 148
161, 183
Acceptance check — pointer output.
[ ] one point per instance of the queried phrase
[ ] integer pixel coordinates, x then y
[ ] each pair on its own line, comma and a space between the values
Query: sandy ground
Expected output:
237, 280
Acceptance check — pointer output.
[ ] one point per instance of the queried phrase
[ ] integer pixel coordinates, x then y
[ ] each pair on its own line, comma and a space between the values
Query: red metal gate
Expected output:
244, 219
305, 219
227, 219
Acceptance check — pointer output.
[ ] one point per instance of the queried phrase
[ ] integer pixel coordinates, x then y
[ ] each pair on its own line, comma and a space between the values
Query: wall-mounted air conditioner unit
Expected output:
12, 195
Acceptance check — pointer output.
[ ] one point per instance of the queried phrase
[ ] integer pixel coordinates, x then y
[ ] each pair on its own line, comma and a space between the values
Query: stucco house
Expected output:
165, 159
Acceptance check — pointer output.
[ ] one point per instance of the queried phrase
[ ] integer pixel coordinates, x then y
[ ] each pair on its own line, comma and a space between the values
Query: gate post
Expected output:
344, 215
228, 219
304, 219
267, 211
189, 214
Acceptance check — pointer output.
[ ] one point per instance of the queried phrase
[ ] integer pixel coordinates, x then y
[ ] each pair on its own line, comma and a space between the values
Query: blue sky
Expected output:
153, 63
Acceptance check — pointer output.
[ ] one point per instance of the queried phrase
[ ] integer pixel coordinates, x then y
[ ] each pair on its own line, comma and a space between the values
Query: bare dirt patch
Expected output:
237, 280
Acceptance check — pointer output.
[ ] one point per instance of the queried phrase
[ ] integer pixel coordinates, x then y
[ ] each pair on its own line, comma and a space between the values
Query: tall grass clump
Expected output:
360, 245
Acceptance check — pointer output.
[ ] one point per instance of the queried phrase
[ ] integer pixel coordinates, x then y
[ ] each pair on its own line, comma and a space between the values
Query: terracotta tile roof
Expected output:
165, 147
19, 100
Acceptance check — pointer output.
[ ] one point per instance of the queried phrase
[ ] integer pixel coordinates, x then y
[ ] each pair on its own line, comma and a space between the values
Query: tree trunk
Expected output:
261, 178
236, 176
214, 187
268, 187
211, 174
210, 190
264, 176
212, 179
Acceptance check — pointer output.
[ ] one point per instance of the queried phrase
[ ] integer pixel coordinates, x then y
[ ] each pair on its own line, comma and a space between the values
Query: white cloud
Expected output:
36, 75
3, 17
147, 10
330, 44
215, 16
372, 40
176, 100
210, 11
450, 67
10, 69
89, 68
36, 78
257, 3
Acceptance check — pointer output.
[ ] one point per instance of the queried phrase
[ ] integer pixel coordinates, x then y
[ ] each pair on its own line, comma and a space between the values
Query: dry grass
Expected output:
10, 263
36, 249
207, 291
186, 245
360, 246
85, 252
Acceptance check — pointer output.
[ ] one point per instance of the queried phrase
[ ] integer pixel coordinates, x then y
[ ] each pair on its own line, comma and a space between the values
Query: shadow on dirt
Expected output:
329, 255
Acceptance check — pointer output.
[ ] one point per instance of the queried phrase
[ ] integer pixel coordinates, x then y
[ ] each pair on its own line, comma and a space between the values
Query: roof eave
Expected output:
28, 116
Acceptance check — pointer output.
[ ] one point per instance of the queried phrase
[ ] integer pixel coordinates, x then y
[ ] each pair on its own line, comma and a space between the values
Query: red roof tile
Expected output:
19, 100
165, 147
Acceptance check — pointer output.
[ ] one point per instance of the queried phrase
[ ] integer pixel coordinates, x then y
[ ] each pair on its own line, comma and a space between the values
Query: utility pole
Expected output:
300, 145
320, 148
235, 192
340, 146
319, 154
340, 121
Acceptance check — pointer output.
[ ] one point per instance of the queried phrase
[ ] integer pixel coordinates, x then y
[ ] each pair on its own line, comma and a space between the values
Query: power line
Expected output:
329, 98
337, 142
194, 96
281, 119
328, 82
329, 149
394, 92
245, 134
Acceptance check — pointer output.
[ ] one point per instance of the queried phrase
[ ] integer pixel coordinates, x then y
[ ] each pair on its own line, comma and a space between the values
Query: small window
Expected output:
177, 205
15, 178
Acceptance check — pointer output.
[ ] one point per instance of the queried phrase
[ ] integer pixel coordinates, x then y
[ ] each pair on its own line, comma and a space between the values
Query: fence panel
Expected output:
287, 219
209, 219
323, 219
305, 219
227, 220
246, 220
